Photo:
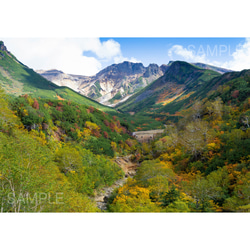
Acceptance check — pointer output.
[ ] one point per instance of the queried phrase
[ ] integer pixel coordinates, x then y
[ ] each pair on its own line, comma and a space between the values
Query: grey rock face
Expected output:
112, 84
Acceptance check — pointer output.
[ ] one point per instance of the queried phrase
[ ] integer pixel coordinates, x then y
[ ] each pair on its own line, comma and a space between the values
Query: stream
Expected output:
129, 169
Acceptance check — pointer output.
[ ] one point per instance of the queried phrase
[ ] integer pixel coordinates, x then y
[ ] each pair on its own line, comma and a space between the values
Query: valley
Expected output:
170, 138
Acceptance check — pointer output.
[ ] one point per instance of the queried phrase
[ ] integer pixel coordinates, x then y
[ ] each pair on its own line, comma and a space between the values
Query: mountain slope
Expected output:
17, 79
214, 68
110, 85
232, 87
180, 80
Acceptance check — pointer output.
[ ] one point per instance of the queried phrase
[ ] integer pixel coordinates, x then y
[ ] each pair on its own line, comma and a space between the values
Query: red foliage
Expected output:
106, 135
235, 94
106, 123
50, 103
35, 104
137, 156
96, 133
114, 118
124, 130
112, 126
91, 109
59, 108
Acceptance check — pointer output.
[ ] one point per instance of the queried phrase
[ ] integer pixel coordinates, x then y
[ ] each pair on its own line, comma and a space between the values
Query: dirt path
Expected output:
129, 169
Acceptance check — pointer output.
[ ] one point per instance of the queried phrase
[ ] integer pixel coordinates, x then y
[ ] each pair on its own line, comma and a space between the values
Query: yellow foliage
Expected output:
46, 106
25, 112
86, 133
30, 100
54, 128
133, 198
113, 145
166, 164
211, 146
7, 118
166, 157
79, 133
91, 126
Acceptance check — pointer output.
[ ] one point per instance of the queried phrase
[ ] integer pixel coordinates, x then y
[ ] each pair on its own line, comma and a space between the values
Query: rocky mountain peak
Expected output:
2, 46
152, 69
127, 68
3, 49
110, 85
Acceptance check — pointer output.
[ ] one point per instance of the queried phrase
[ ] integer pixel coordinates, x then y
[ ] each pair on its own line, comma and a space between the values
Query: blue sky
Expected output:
87, 56
155, 50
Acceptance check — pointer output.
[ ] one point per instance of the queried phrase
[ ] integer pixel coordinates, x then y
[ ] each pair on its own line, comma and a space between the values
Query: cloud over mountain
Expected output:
67, 54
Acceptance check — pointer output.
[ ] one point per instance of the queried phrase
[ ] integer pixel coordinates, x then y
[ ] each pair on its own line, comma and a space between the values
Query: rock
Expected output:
115, 80
100, 198
2, 46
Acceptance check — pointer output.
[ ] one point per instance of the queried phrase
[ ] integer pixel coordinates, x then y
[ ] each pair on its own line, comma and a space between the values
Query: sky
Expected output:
87, 56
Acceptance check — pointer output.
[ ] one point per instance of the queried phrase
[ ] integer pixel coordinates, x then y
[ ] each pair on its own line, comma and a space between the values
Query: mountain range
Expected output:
154, 91
115, 83
112, 84
179, 82
181, 86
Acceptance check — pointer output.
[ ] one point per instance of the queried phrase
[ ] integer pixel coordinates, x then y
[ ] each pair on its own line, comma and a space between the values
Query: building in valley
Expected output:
147, 136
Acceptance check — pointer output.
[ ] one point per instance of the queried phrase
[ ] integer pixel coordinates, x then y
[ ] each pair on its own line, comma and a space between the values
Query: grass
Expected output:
18, 79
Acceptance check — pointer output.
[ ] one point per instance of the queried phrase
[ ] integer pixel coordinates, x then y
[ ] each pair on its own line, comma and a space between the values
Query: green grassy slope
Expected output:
17, 79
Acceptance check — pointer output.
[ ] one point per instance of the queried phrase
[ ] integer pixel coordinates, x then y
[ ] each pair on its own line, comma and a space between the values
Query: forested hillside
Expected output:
202, 164
54, 156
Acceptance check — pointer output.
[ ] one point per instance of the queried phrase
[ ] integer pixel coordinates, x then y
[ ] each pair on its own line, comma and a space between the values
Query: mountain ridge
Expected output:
115, 83
180, 79
110, 85
18, 79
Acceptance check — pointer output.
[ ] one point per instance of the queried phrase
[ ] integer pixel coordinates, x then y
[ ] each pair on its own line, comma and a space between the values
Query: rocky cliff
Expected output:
112, 84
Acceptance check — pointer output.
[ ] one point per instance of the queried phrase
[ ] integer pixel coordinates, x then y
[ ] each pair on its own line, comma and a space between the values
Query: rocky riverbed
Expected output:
129, 169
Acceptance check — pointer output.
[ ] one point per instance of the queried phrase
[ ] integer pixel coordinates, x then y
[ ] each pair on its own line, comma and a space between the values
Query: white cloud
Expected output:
120, 59
241, 57
107, 49
66, 54
178, 51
